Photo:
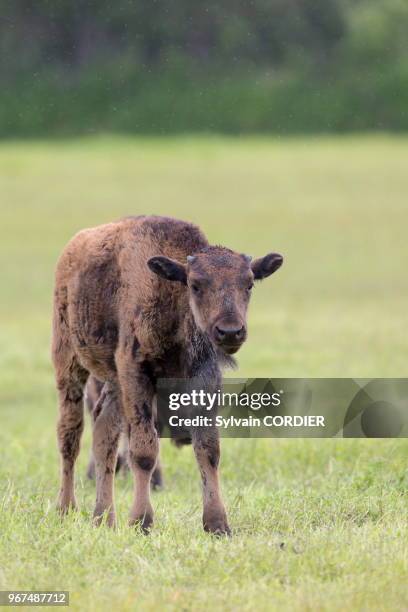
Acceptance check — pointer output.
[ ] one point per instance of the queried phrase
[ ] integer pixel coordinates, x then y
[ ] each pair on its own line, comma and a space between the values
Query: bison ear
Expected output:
168, 268
265, 266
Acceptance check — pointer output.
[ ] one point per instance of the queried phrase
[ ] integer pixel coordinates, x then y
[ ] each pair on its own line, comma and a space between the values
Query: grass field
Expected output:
318, 524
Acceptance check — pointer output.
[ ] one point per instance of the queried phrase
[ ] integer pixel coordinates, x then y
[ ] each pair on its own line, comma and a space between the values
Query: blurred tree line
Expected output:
75, 66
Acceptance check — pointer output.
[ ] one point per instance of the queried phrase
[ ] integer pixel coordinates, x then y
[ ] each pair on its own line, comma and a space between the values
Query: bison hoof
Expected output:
65, 505
216, 523
101, 516
144, 522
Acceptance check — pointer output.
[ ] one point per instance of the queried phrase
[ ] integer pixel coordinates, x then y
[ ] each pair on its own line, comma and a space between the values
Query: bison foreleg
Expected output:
207, 451
138, 394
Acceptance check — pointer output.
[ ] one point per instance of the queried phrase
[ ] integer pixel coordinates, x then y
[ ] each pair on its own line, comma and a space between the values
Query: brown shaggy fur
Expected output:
129, 308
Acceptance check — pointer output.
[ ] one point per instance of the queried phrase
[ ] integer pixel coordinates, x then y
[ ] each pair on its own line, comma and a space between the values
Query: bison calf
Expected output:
136, 300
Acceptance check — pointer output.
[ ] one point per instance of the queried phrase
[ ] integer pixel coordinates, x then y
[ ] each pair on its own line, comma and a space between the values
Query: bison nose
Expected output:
229, 335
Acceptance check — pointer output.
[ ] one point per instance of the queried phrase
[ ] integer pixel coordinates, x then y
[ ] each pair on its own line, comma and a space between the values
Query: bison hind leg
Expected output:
70, 383
156, 483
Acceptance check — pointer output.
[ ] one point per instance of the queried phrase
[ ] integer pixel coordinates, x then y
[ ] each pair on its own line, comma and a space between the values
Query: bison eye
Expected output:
195, 288
249, 288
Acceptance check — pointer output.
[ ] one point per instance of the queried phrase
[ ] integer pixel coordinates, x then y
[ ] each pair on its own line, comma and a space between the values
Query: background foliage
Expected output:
278, 66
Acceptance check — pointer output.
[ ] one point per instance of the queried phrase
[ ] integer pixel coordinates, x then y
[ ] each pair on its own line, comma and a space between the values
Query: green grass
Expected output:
318, 524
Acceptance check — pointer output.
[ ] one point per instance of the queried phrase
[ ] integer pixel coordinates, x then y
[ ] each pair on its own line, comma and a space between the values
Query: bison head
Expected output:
219, 284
